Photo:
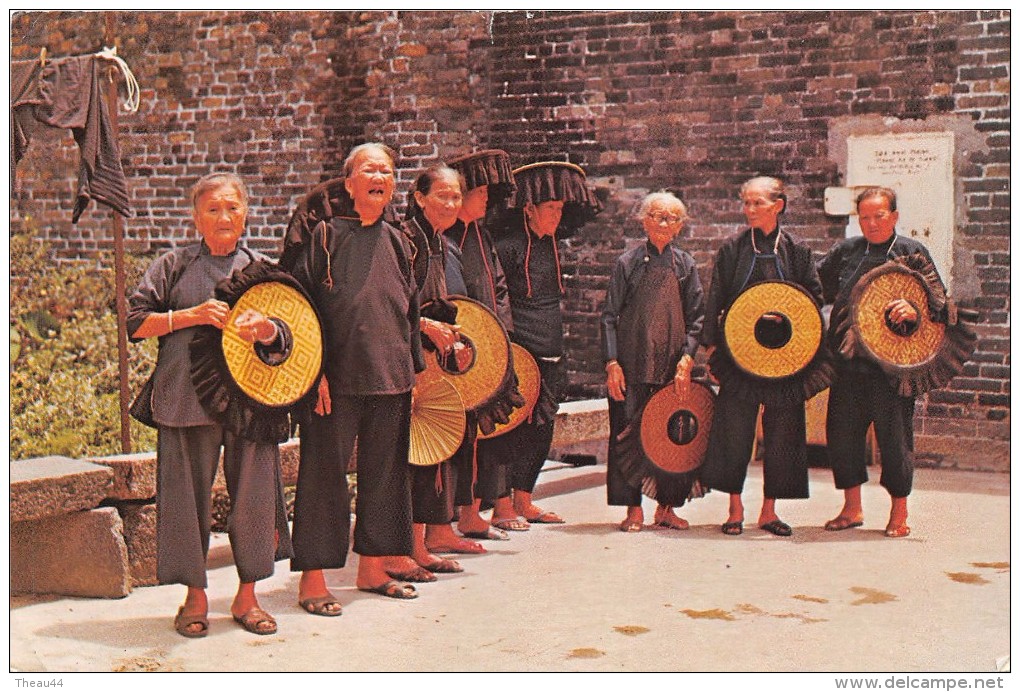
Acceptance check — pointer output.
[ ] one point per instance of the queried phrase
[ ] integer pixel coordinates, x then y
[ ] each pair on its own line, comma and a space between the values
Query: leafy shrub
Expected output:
64, 385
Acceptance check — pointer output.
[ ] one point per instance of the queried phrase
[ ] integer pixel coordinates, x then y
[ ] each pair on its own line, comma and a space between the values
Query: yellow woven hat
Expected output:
438, 420
773, 330
285, 382
483, 334
905, 346
529, 382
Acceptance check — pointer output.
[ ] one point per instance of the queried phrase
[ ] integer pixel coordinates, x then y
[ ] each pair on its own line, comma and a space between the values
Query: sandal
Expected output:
733, 528
777, 528
418, 574
544, 517
444, 566
842, 523
462, 547
630, 526
320, 605
392, 589
255, 617
182, 622
514, 524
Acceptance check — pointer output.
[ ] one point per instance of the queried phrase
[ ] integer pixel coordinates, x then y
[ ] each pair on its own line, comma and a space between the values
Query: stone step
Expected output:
53, 486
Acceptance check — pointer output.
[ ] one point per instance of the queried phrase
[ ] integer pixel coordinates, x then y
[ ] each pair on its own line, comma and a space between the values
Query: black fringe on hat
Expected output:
219, 395
557, 180
487, 167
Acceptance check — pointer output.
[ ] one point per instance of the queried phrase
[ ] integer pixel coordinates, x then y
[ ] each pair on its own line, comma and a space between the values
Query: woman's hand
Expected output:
682, 379
901, 311
615, 381
443, 335
324, 405
212, 312
253, 326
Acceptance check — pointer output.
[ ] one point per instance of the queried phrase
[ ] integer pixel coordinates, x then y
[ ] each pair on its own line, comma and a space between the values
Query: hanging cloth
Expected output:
67, 93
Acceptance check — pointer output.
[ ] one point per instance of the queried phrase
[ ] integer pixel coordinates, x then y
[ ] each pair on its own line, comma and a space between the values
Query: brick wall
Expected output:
694, 102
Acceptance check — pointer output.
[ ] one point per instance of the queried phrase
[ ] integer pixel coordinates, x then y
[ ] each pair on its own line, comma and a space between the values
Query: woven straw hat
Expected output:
916, 345
773, 349
674, 431
438, 420
285, 383
483, 333
529, 382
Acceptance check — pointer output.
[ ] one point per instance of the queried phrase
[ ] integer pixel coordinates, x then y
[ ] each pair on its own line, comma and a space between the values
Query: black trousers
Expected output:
432, 489
493, 477
731, 442
186, 465
856, 400
618, 492
322, 516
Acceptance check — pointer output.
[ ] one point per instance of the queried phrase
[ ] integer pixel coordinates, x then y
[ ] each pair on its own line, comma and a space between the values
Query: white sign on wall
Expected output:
919, 168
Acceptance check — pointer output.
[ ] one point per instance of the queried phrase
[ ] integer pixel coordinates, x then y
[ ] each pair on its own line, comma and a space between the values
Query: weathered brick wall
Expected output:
694, 102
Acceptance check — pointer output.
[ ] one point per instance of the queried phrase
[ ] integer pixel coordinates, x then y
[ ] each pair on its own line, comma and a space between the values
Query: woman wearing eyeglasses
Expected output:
651, 323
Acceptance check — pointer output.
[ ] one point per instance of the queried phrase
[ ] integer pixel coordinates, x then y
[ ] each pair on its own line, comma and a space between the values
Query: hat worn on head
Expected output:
487, 167
548, 181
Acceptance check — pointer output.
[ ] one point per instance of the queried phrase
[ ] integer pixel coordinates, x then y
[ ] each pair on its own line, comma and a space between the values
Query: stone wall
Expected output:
694, 102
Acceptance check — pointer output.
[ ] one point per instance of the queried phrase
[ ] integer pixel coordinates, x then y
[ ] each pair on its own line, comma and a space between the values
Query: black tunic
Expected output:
359, 279
533, 281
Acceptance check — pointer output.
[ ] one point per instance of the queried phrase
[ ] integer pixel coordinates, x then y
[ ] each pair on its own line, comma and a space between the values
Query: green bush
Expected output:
64, 384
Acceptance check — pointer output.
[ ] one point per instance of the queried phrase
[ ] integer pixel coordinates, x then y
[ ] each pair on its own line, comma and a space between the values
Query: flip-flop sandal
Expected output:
319, 605
182, 622
419, 574
511, 525
255, 617
392, 589
546, 518
444, 566
489, 534
842, 524
777, 528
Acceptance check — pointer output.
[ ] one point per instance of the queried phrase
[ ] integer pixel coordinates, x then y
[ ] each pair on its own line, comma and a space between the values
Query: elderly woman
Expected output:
651, 322
472, 262
175, 296
437, 198
551, 200
357, 271
761, 252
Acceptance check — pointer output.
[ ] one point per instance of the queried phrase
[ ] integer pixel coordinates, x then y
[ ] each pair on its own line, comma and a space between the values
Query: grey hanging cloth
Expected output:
67, 93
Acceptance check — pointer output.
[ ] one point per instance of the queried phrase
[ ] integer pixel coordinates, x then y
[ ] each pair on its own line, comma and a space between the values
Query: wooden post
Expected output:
118, 262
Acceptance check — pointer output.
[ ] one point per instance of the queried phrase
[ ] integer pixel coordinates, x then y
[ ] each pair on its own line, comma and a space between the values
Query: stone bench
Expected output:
88, 528
61, 540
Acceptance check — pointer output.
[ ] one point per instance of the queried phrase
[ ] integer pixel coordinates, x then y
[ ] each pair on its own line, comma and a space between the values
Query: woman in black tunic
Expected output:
552, 200
651, 323
761, 252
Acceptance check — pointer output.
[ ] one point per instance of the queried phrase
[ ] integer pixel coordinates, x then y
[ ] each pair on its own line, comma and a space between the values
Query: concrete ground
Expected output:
583, 596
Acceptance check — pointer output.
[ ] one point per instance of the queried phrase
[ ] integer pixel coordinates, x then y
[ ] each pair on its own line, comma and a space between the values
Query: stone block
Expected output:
76, 554
140, 539
134, 475
51, 486
580, 421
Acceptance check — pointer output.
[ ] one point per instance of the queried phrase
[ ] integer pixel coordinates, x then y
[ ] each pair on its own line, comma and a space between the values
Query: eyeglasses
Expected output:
671, 219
